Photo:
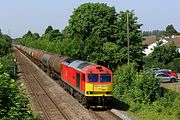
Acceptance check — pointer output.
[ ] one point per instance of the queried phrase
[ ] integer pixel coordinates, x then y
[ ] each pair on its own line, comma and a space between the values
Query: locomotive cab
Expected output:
98, 86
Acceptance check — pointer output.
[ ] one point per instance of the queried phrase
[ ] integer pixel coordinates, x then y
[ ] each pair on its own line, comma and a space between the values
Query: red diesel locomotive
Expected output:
89, 83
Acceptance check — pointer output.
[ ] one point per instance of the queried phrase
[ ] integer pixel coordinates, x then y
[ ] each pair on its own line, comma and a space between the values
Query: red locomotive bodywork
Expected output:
69, 74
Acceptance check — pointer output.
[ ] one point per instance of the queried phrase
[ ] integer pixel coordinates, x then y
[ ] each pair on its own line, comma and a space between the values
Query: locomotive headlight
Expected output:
89, 92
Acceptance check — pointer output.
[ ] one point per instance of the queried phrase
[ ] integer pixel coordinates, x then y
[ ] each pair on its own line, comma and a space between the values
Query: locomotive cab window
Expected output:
92, 77
105, 78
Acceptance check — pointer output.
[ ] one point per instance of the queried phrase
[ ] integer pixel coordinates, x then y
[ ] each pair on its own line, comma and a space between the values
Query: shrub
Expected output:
124, 80
146, 88
131, 86
14, 102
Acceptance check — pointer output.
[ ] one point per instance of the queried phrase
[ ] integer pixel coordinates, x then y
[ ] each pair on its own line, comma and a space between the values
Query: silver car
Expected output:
165, 77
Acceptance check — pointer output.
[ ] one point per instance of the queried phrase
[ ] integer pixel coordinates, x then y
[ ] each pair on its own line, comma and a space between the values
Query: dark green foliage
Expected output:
48, 29
146, 89
14, 104
13, 101
93, 24
175, 64
124, 80
170, 30
92, 19
135, 36
141, 92
96, 33
163, 57
99, 27
5, 44
7, 61
135, 107
154, 33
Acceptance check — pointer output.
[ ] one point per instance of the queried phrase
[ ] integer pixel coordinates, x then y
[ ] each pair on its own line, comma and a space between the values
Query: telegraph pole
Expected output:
128, 35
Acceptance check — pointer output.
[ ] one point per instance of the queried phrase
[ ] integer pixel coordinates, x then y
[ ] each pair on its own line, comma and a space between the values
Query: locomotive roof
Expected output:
78, 64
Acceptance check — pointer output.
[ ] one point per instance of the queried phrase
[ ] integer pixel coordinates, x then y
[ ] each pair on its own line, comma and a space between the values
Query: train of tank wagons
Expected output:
89, 83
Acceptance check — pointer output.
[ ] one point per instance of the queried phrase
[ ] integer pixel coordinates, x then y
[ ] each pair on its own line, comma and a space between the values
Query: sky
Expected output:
19, 16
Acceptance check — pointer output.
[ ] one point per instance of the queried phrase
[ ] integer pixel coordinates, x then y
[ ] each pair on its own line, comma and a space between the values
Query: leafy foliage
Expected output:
98, 34
5, 44
170, 30
123, 81
135, 36
154, 33
165, 108
163, 57
131, 86
14, 102
95, 33
146, 89
175, 64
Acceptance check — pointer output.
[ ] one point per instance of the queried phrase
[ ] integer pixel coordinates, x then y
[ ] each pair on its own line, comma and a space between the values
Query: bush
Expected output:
13, 101
146, 88
131, 86
124, 80
7, 61
175, 65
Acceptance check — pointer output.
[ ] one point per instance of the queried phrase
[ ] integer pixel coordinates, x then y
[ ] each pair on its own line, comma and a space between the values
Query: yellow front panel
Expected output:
98, 89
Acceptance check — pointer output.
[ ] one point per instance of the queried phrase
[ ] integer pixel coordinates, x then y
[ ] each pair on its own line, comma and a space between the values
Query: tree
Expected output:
0, 33
93, 19
162, 56
5, 44
135, 37
170, 30
94, 25
96, 33
48, 29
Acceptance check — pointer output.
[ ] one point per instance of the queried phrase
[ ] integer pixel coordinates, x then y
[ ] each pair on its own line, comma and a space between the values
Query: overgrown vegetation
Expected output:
97, 33
141, 92
164, 108
164, 57
14, 102
134, 87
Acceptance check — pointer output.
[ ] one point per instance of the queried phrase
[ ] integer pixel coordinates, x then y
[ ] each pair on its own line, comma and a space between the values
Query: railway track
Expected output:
104, 115
48, 109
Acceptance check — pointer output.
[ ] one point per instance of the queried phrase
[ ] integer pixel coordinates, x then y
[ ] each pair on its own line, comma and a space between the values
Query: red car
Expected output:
168, 72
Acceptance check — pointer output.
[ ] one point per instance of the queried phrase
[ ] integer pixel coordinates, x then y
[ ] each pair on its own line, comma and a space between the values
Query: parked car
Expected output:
168, 72
164, 77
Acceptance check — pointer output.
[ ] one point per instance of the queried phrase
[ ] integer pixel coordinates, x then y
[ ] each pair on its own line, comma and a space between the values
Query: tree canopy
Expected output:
95, 33
5, 44
170, 30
